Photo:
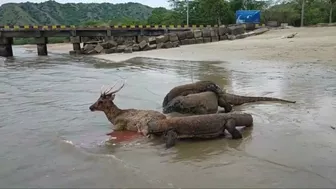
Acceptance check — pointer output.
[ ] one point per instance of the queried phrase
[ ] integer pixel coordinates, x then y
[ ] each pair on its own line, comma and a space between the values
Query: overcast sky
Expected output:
152, 3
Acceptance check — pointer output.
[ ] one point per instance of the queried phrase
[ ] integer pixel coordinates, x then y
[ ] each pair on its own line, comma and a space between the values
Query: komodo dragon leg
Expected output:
222, 103
170, 138
230, 125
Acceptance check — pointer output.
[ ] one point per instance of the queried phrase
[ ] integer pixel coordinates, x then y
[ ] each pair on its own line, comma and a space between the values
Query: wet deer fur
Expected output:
124, 119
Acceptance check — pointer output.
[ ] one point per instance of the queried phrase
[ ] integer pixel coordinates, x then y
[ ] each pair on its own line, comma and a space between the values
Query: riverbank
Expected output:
310, 44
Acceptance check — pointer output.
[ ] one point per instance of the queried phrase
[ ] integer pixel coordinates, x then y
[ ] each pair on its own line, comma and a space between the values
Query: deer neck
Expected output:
112, 113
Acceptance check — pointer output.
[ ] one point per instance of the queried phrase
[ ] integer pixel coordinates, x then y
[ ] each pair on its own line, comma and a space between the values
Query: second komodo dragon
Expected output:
177, 99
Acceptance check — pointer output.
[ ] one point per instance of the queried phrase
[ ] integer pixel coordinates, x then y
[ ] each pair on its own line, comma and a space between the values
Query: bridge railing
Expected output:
69, 27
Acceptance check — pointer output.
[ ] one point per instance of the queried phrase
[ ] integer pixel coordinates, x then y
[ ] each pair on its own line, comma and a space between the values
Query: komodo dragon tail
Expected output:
239, 100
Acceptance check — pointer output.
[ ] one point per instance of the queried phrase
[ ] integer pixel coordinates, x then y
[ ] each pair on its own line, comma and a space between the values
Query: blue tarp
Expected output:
247, 16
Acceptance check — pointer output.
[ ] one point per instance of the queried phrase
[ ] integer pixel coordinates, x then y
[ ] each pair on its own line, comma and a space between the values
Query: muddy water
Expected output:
49, 138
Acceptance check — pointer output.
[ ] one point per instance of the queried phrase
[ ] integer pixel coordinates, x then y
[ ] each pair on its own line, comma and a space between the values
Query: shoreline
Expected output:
310, 44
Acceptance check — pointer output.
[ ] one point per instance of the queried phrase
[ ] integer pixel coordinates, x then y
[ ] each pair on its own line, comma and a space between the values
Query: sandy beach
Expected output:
310, 44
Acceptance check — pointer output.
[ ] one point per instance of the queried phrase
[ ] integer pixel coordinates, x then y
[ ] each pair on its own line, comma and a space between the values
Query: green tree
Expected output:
287, 12
163, 16
203, 11
216, 10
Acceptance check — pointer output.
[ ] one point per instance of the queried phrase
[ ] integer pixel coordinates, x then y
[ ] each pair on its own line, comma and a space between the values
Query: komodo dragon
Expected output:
199, 126
194, 88
177, 99
199, 103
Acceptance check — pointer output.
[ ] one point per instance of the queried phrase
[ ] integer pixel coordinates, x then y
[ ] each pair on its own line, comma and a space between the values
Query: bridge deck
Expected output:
53, 31
41, 33
113, 30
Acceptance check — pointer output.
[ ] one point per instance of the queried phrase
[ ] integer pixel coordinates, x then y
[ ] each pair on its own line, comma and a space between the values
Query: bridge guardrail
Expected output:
73, 27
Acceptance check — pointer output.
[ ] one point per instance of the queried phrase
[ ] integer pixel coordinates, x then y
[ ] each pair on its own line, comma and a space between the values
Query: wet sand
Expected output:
310, 44
290, 145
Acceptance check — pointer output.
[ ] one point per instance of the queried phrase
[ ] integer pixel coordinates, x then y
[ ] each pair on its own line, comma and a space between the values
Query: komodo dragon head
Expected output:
173, 106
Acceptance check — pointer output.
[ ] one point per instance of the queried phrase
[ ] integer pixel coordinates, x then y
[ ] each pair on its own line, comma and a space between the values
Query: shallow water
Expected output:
49, 138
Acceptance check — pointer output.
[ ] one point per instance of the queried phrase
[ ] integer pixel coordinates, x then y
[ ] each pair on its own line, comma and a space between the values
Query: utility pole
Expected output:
187, 13
330, 14
302, 11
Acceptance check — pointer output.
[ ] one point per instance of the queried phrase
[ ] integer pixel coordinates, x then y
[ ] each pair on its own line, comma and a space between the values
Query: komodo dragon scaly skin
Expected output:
194, 88
225, 100
239, 100
199, 126
199, 103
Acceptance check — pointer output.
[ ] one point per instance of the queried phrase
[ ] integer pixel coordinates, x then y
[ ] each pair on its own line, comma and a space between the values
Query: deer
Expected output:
124, 119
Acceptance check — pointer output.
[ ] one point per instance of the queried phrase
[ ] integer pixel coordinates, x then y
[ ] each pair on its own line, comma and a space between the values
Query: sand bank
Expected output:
310, 44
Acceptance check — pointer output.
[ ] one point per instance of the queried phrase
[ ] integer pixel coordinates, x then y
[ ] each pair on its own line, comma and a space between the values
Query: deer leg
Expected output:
116, 127
119, 127
170, 138
230, 125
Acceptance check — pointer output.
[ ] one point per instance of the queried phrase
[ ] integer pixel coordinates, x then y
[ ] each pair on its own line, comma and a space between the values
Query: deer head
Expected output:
105, 101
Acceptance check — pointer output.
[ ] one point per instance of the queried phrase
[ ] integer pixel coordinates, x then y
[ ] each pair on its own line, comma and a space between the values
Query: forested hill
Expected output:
200, 12
51, 12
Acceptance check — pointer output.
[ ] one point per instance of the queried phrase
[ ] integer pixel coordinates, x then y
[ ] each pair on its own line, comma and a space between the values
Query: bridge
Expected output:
76, 33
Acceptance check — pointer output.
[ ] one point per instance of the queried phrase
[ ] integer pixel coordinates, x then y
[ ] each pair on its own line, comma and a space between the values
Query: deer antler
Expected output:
101, 89
106, 92
113, 92
122, 86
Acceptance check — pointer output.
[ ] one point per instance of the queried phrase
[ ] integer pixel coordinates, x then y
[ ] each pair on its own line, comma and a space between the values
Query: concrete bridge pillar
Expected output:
108, 38
76, 40
42, 46
6, 49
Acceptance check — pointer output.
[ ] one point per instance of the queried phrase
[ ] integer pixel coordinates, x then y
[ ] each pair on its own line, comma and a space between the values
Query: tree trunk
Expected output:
330, 14
219, 21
